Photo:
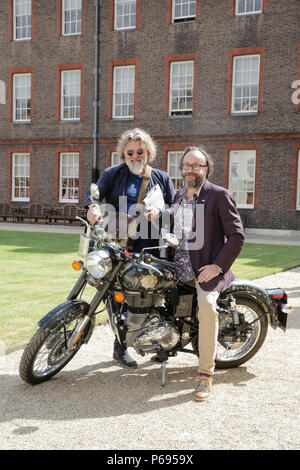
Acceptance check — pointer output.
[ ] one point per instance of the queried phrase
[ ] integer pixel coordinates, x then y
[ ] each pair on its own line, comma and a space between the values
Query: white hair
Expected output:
137, 134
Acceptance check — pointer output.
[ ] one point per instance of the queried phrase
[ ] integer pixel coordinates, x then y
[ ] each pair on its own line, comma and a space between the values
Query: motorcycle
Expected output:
148, 309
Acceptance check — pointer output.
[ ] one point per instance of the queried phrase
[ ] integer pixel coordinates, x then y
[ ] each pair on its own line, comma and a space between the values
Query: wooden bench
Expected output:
66, 214
34, 212
8, 211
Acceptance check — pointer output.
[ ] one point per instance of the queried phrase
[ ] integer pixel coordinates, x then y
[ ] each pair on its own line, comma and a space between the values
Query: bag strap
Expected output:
134, 224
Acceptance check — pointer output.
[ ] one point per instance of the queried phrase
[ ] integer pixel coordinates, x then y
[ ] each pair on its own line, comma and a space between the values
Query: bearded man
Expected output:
123, 182
206, 261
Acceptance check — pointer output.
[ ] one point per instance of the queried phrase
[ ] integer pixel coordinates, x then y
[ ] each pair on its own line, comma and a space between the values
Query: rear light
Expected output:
278, 294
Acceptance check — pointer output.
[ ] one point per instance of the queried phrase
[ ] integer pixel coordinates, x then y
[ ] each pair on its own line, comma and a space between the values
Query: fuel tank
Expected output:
141, 276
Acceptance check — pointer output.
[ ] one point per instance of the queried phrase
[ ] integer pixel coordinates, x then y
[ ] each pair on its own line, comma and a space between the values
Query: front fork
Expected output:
102, 288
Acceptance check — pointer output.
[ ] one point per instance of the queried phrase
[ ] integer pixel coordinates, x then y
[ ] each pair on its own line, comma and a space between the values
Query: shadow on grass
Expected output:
32, 242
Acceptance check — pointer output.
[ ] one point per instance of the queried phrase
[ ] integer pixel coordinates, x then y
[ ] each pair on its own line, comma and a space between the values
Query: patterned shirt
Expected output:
183, 223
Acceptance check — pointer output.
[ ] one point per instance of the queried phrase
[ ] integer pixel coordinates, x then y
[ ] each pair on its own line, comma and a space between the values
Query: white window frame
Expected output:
70, 177
247, 80
72, 91
124, 9
181, 86
123, 91
22, 94
249, 3
183, 17
240, 183
17, 170
298, 184
173, 160
74, 8
25, 16
115, 159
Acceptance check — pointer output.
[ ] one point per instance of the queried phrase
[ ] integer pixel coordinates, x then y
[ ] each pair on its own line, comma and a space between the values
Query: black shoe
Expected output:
124, 359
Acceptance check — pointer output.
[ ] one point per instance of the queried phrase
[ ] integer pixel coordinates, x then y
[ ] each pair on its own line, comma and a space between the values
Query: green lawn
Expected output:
36, 275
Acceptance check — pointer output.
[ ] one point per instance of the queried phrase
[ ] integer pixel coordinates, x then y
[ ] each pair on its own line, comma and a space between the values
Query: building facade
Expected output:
220, 74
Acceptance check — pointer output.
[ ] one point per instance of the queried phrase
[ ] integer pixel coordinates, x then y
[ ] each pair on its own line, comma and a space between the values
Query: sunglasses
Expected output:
131, 152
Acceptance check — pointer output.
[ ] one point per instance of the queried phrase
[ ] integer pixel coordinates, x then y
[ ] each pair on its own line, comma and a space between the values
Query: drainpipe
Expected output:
95, 170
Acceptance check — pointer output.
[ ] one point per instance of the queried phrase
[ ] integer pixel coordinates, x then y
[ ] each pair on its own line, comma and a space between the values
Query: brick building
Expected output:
222, 74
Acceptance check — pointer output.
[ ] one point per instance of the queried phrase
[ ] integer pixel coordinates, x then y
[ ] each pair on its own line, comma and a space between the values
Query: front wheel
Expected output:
232, 351
46, 353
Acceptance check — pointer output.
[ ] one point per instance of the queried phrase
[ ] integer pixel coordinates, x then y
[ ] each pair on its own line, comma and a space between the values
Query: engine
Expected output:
149, 333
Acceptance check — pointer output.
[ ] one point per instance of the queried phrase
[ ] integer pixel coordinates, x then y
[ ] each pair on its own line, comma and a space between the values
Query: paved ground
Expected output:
94, 404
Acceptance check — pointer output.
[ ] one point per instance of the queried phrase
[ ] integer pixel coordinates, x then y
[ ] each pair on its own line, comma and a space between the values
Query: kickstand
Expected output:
163, 373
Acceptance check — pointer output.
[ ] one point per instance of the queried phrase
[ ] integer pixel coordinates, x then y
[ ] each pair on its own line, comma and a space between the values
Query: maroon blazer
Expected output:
223, 234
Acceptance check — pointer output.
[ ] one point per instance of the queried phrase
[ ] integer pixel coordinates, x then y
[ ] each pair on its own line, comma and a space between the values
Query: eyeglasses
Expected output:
194, 166
131, 152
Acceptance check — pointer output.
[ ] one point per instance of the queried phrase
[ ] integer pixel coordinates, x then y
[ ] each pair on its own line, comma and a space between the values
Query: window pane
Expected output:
183, 10
22, 97
246, 7
20, 176
181, 87
123, 91
125, 14
173, 159
242, 176
71, 17
22, 19
245, 85
70, 98
69, 177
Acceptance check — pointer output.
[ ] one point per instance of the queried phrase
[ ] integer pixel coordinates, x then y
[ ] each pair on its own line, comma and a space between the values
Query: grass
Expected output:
36, 275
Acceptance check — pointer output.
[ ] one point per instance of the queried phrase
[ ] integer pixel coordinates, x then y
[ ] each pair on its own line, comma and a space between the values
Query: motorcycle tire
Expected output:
52, 341
248, 349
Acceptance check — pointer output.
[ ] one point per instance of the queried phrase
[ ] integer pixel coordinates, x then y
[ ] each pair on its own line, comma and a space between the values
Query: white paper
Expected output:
154, 198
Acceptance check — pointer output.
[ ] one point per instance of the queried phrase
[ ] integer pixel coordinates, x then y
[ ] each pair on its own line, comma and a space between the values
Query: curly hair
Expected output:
209, 160
137, 134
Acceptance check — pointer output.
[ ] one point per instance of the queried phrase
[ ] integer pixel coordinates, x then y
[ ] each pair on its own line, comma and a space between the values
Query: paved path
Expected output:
94, 404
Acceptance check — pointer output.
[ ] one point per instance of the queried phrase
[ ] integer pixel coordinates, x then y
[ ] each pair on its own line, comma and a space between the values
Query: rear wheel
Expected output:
46, 353
234, 350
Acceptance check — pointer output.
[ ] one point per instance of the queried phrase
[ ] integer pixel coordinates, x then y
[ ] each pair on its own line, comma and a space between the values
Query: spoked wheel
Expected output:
46, 353
239, 352
233, 351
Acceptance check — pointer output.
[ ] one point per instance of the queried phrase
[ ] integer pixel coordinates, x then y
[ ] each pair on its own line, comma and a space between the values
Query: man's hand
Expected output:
152, 214
208, 272
93, 215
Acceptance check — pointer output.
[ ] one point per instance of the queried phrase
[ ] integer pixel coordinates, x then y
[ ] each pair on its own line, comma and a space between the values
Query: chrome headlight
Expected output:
98, 263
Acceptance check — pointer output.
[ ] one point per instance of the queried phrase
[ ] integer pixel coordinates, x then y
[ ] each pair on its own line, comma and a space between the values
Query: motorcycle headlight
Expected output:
98, 263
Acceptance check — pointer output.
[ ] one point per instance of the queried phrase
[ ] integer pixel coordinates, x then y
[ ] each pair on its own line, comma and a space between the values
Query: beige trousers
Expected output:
208, 330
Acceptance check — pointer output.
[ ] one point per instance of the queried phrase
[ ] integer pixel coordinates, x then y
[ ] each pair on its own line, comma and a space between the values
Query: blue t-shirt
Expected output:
133, 189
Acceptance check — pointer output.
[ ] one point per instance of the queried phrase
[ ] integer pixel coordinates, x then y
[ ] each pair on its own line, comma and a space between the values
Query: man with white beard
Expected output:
123, 182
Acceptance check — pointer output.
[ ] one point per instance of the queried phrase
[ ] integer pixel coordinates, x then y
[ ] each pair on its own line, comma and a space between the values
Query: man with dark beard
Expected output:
123, 182
206, 261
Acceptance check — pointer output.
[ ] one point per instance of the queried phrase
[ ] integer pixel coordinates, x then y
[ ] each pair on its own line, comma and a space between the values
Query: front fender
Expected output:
259, 294
65, 311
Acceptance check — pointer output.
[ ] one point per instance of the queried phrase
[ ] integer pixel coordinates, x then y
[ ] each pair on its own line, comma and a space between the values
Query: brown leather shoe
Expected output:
203, 388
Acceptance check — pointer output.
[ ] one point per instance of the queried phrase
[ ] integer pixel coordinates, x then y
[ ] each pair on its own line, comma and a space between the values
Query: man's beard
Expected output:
195, 183
136, 167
